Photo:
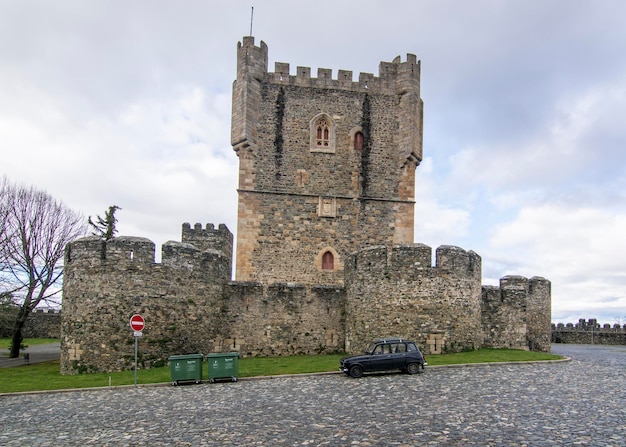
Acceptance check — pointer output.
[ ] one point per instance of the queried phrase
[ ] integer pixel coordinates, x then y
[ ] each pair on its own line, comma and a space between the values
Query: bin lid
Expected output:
223, 354
186, 356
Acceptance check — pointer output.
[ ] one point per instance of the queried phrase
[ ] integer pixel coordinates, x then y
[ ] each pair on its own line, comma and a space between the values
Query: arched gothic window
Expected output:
322, 134
328, 261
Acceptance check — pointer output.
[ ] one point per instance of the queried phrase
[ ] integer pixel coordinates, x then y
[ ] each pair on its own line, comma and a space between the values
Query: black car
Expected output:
385, 354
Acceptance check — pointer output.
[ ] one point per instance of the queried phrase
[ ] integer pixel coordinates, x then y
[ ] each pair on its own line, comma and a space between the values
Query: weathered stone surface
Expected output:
589, 332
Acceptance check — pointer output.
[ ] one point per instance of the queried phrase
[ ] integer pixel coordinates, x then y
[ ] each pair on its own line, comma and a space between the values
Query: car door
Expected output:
398, 355
381, 358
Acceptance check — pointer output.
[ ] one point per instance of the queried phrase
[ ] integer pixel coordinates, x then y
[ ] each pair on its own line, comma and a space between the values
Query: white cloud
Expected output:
110, 102
436, 223
579, 249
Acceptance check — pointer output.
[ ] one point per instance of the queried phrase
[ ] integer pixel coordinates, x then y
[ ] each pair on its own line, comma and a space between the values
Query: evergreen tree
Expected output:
105, 228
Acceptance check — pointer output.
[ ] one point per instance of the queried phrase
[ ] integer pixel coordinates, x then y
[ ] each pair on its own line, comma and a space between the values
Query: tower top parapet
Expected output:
394, 77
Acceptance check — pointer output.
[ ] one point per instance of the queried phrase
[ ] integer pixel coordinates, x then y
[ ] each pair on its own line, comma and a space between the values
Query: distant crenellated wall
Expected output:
589, 332
40, 323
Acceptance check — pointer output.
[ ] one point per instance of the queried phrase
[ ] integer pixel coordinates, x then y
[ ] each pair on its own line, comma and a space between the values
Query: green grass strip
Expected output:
46, 376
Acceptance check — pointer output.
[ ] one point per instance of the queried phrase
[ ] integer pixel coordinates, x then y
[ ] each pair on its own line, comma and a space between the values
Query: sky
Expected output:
128, 103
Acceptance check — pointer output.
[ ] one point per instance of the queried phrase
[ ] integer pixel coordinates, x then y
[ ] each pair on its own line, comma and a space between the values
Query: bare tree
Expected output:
105, 228
35, 229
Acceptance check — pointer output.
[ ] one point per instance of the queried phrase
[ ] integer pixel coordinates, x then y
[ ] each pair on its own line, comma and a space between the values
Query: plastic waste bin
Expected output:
223, 365
185, 368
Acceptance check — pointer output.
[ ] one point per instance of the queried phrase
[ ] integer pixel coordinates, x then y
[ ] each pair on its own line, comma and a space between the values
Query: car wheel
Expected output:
413, 368
356, 371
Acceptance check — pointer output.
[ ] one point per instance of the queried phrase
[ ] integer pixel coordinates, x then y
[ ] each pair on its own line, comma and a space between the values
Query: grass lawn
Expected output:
46, 376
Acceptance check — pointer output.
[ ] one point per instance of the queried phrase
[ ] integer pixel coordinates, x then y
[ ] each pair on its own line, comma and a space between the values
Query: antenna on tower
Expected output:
251, 17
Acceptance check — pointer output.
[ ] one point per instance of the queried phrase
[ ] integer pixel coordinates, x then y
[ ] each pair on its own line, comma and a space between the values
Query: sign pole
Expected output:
136, 360
137, 323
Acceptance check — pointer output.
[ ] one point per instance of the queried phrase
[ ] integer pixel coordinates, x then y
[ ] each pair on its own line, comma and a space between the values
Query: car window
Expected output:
378, 350
400, 347
411, 347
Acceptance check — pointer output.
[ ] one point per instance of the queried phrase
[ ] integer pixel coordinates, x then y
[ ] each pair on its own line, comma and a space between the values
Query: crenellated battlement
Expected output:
517, 313
93, 249
394, 77
588, 326
589, 332
209, 238
199, 247
410, 259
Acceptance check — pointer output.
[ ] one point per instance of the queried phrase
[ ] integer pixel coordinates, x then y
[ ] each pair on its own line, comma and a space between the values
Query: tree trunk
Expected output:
16, 338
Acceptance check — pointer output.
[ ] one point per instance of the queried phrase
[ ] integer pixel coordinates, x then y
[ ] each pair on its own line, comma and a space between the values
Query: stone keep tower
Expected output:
326, 166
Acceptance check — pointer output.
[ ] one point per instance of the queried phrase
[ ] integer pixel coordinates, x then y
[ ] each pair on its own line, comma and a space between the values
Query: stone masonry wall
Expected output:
296, 201
104, 286
40, 324
589, 332
398, 293
188, 304
517, 314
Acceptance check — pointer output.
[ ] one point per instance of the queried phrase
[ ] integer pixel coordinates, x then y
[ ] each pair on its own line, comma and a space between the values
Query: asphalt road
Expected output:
36, 354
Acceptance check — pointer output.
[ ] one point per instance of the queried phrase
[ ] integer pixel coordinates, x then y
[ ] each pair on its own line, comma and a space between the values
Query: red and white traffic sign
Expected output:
137, 323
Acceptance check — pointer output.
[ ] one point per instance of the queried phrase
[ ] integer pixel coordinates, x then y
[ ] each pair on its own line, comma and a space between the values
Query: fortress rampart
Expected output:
437, 305
191, 306
589, 332
517, 313
40, 323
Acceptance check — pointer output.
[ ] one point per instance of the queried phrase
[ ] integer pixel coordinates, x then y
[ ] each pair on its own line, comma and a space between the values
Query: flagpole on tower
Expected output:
251, 17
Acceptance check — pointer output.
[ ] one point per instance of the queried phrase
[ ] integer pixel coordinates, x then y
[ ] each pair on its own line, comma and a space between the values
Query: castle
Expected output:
325, 254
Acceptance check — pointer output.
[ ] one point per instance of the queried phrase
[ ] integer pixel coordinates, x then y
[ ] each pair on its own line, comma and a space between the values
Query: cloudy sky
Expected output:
128, 103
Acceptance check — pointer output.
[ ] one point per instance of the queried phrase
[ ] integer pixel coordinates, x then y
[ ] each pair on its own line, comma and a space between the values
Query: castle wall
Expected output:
188, 304
40, 324
399, 293
517, 314
104, 286
282, 319
589, 333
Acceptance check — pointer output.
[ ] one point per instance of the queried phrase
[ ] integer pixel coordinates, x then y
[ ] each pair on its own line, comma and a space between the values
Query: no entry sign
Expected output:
137, 323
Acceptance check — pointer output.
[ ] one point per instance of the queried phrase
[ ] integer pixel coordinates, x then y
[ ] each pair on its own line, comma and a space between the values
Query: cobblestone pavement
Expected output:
581, 402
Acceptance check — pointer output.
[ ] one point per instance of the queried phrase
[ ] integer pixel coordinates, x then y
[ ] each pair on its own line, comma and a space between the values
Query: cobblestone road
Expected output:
581, 402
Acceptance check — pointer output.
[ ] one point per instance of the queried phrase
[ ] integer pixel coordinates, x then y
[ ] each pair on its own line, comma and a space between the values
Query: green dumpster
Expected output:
223, 365
186, 368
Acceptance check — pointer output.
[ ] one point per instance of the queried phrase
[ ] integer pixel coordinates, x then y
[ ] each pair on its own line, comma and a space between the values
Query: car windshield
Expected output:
370, 348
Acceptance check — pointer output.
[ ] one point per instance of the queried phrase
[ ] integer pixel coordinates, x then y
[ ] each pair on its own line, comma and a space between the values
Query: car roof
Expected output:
392, 340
